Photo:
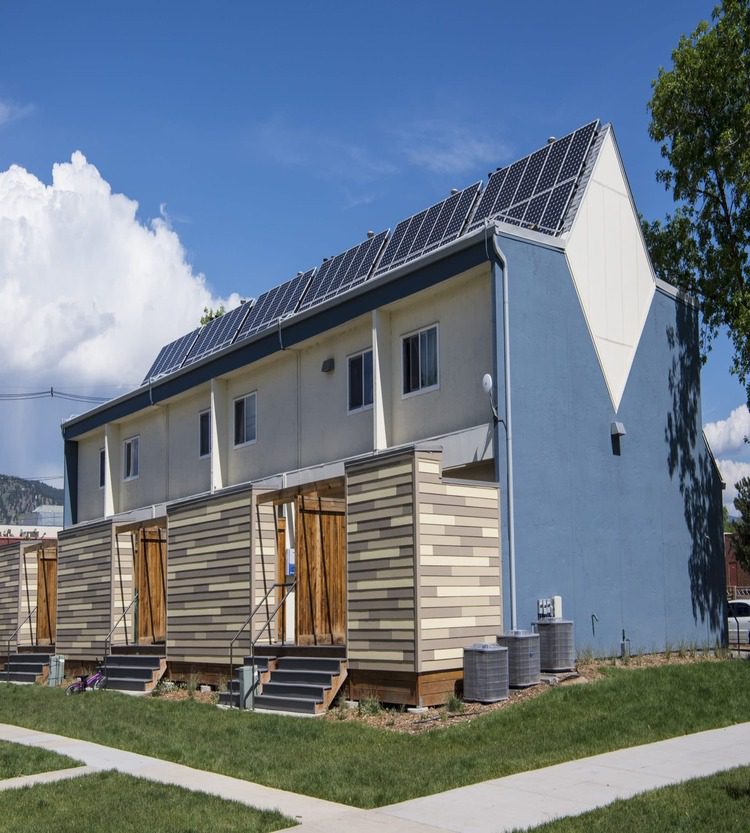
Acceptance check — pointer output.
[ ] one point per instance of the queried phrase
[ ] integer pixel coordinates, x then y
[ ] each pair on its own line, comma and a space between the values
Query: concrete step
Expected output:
300, 705
28, 658
306, 692
229, 698
133, 661
293, 675
330, 664
19, 677
34, 668
133, 672
126, 684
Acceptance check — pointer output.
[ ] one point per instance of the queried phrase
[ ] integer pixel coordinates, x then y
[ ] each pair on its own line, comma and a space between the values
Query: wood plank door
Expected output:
151, 584
321, 571
46, 595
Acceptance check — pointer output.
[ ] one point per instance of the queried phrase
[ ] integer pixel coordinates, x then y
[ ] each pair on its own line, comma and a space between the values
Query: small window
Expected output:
420, 360
130, 458
360, 381
102, 467
245, 427
205, 433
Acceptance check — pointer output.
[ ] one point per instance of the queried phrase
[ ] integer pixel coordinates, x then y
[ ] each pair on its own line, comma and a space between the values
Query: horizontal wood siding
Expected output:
380, 564
459, 565
208, 577
10, 563
84, 590
264, 569
122, 590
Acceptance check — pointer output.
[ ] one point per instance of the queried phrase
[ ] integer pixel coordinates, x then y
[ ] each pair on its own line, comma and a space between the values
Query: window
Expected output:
420, 360
245, 426
360, 381
102, 467
130, 458
205, 433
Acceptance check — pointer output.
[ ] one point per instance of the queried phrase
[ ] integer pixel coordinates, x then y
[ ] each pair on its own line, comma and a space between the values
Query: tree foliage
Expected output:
700, 115
209, 314
741, 526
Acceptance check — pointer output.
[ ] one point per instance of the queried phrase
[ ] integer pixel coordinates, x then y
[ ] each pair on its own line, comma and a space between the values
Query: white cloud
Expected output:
10, 111
732, 471
727, 436
88, 292
447, 148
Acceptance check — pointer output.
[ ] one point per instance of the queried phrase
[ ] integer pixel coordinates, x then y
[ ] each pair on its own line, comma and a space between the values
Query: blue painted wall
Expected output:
635, 539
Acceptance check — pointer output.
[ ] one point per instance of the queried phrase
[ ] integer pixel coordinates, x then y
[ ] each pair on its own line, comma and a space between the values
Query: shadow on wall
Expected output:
699, 482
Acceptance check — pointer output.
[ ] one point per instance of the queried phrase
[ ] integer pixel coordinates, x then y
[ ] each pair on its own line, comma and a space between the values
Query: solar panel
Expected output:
276, 303
536, 190
172, 355
218, 333
343, 272
429, 229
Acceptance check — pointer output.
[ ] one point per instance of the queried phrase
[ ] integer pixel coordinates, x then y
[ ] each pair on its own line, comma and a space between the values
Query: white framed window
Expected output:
204, 434
245, 422
102, 467
359, 388
419, 361
130, 458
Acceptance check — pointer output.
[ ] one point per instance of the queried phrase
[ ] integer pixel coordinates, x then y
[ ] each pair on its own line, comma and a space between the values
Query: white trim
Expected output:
430, 388
348, 391
254, 394
135, 441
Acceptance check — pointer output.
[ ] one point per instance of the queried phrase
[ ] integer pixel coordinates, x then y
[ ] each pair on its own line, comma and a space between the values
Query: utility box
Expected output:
248, 676
56, 670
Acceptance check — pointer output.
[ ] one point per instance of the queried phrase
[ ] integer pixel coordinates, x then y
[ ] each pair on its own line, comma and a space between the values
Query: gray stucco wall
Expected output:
634, 539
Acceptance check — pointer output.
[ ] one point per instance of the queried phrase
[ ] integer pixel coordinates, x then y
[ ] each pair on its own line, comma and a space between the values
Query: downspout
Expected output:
500, 265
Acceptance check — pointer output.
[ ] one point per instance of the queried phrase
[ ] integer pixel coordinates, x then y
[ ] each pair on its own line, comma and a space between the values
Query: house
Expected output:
399, 452
738, 578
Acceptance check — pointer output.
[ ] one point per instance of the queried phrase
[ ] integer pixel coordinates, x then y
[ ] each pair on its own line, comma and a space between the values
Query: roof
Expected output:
540, 193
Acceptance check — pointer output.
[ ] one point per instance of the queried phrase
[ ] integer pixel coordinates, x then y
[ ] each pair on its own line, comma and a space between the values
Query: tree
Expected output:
209, 314
700, 115
742, 524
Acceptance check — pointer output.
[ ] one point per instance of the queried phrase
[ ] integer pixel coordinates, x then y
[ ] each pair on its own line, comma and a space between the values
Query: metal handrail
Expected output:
108, 638
10, 639
288, 588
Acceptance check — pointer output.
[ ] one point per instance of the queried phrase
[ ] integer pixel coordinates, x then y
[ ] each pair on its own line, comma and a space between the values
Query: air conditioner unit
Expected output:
523, 657
556, 645
485, 673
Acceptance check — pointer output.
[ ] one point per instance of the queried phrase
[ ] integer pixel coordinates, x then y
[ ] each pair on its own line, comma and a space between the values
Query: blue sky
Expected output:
267, 136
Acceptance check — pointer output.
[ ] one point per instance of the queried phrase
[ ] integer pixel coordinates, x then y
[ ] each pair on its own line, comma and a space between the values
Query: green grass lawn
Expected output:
109, 802
718, 804
355, 764
16, 759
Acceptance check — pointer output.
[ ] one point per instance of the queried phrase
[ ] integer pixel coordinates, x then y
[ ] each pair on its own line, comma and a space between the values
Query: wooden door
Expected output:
46, 595
321, 571
151, 584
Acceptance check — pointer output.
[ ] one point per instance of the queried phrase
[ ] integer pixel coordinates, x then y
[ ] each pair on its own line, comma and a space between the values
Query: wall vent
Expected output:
523, 657
485, 673
556, 645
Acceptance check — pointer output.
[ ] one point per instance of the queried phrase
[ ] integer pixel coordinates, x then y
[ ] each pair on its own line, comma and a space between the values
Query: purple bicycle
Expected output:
88, 682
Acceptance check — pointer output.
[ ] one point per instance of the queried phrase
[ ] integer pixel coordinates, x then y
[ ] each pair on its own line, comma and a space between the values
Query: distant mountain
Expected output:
19, 497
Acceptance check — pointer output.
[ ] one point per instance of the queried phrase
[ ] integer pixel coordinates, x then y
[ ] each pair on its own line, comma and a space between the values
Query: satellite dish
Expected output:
487, 383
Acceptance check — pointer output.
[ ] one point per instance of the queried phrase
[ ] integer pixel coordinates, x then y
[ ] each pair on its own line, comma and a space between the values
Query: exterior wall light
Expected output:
327, 366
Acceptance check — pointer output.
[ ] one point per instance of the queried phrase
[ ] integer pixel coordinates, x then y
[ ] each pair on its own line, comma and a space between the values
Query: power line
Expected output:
51, 393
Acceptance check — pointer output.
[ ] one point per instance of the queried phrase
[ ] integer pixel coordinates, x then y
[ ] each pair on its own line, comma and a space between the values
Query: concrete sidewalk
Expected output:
517, 801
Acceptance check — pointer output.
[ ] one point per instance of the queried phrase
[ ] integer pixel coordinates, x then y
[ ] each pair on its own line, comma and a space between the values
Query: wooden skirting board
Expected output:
403, 687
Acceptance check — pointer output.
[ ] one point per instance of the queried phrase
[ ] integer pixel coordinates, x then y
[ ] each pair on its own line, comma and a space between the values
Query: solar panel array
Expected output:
345, 271
431, 228
274, 304
218, 333
172, 355
535, 191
